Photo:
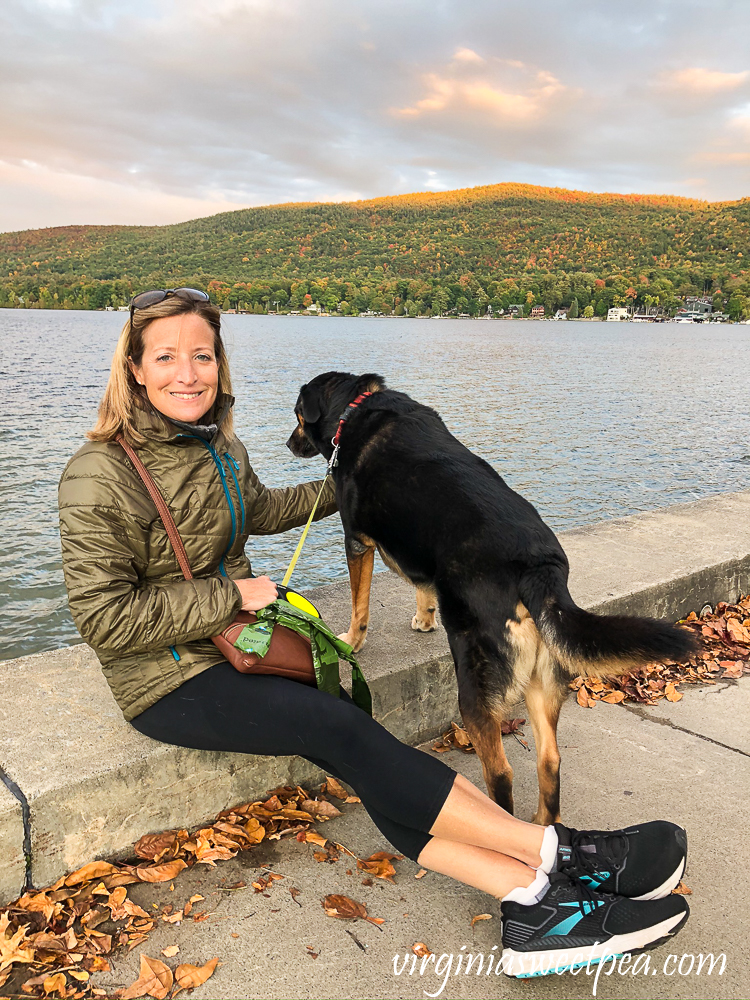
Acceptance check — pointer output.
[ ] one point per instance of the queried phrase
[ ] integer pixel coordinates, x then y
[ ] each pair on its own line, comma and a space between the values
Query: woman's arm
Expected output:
276, 510
111, 605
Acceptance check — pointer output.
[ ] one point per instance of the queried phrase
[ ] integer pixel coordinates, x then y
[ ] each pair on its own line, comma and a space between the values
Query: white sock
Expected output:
532, 893
548, 850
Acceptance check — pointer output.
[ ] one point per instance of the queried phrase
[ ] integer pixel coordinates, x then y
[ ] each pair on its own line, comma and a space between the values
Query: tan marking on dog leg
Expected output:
544, 699
487, 738
360, 580
424, 619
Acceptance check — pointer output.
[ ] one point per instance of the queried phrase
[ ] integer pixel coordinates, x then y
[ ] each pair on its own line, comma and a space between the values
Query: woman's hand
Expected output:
257, 592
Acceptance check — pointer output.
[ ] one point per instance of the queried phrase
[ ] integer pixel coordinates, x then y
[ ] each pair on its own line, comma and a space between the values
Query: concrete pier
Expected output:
94, 785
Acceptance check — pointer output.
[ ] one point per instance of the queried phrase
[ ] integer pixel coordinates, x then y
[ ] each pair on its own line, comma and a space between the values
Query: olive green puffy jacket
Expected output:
149, 627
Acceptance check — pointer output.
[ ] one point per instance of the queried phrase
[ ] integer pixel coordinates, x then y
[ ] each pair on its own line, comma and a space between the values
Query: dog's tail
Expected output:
589, 644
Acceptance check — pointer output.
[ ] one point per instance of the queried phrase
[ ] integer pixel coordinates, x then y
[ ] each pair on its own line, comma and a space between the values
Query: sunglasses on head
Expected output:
145, 299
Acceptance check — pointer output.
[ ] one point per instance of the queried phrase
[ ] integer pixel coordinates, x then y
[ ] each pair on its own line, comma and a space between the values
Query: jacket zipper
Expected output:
227, 494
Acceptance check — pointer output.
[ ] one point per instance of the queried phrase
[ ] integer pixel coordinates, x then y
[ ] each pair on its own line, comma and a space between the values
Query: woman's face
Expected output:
179, 367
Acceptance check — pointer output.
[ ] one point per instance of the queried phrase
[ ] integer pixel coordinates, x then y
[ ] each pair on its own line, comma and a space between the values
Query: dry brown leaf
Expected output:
294, 893
671, 694
420, 949
508, 726
187, 977
321, 809
614, 697
56, 984
380, 869
335, 788
155, 980
196, 898
96, 869
171, 951
344, 908
160, 873
481, 916
13, 947
583, 698
421, 873
682, 890
311, 837
152, 844
115, 902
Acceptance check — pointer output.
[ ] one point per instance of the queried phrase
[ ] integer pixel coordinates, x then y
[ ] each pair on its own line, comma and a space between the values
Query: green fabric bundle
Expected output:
327, 648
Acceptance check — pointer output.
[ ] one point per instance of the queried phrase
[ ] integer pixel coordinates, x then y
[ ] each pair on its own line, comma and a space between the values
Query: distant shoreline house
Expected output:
537, 312
516, 311
616, 313
562, 313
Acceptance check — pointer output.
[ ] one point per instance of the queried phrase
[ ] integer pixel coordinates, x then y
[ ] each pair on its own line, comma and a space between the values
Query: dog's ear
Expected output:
309, 401
370, 383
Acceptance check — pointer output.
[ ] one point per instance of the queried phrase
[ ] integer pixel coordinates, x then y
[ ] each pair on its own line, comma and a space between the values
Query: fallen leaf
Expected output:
508, 726
671, 694
682, 890
171, 951
614, 697
335, 788
155, 980
344, 908
196, 898
160, 873
14, 948
481, 916
311, 837
420, 949
380, 869
321, 809
96, 869
583, 698
152, 844
187, 977
421, 873
294, 893
55, 984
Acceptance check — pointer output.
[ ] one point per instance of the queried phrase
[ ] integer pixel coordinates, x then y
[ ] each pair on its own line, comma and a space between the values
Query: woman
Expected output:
169, 394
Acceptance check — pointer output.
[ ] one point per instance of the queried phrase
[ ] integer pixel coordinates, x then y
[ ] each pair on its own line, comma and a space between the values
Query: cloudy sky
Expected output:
128, 111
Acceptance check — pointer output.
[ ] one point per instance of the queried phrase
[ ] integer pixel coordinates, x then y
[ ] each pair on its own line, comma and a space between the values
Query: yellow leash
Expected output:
301, 542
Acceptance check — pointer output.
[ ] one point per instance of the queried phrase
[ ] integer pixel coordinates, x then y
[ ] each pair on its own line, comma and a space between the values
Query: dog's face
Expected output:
319, 406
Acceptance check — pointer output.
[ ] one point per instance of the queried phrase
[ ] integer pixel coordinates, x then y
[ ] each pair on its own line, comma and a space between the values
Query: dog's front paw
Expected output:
423, 624
355, 641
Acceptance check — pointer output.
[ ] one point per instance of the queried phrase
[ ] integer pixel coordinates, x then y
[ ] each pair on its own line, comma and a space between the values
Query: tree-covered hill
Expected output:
458, 251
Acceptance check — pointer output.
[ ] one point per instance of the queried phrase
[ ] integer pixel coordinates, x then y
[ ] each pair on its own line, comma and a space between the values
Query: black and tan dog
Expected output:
448, 523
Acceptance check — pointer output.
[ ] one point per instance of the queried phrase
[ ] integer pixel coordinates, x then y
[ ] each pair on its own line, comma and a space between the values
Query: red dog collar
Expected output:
346, 414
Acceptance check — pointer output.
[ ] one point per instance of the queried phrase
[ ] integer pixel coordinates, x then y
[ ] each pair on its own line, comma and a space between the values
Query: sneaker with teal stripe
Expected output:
570, 926
643, 862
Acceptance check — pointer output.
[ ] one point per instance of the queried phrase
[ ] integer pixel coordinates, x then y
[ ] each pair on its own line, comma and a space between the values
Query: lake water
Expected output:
588, 420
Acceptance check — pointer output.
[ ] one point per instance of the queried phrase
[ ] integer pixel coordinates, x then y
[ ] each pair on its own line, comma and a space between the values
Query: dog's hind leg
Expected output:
424, 619
486, 735
544, 698
360, 558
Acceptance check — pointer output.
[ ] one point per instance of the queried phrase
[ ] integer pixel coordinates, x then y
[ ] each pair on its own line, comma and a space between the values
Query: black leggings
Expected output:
402, 788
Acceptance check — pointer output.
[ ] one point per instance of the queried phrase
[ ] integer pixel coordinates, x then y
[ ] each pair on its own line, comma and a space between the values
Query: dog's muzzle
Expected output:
300, 445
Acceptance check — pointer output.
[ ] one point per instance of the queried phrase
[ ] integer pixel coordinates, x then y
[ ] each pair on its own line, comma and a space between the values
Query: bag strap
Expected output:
161, 506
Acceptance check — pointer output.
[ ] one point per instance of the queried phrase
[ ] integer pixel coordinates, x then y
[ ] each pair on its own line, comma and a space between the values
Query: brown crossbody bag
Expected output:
289, 655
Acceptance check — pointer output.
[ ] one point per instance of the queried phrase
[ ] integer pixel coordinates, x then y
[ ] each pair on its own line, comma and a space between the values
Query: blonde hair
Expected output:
124, 395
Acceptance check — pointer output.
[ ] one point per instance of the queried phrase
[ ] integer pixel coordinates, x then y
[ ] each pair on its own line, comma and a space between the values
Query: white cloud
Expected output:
698, 80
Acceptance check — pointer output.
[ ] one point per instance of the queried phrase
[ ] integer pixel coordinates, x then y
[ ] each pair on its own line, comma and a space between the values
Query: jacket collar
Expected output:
156, 427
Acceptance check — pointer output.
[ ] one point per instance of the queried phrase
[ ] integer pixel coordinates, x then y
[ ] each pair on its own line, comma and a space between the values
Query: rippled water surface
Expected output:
588, 420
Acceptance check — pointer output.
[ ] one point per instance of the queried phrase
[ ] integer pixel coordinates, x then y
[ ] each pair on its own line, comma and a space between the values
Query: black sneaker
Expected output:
642, 862
570, 926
